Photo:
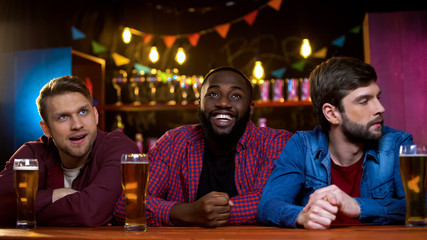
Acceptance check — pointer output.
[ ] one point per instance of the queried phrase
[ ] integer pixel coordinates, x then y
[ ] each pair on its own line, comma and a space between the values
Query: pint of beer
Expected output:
26, 181
135, 175
413, 171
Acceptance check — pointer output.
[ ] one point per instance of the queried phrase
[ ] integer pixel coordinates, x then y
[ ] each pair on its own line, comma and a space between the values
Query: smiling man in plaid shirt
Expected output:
212, 174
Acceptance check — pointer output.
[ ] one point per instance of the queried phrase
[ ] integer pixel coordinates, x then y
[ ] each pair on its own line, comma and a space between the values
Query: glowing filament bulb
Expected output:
127, 36
154, 55
180, 56
305, 48
258, 70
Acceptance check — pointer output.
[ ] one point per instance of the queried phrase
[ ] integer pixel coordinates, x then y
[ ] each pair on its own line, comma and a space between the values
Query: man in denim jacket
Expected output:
347, 170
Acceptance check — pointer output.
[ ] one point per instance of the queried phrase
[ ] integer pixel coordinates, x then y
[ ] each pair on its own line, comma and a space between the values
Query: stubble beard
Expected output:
78, 153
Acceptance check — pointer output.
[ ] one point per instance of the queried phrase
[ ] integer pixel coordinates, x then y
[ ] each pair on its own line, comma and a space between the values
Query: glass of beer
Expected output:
26, 181
135, 175
413, 171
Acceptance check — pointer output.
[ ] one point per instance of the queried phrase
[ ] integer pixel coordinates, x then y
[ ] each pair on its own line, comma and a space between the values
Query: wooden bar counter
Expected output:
223, 233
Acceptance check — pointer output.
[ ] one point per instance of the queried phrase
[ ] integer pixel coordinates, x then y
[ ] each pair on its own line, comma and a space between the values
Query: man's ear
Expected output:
96, 114
331, 113
45, 128
251, 109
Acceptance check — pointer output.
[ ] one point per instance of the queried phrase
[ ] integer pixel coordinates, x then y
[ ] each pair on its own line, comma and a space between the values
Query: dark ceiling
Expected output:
273, 38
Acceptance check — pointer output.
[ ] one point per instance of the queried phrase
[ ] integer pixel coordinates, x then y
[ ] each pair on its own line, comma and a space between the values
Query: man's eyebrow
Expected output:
233, 87
363, 97
237, 87
368, 96
57, 114
84, 107
213, 86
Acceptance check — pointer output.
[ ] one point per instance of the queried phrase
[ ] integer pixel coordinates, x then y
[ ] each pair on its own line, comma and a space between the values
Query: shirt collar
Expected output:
322, 150
323, 142
246, 138
371, 154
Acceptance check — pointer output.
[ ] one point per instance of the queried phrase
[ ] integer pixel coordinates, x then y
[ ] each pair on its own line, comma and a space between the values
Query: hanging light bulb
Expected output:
127, 35
154, 55
305, 48
258, 71
180, 56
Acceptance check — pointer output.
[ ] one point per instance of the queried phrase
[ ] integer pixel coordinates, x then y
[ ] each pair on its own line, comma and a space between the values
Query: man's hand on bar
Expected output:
323, 206
212, 210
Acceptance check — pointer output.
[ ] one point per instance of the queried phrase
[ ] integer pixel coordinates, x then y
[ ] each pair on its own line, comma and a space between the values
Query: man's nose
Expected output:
223, 102
76, 123
380, 108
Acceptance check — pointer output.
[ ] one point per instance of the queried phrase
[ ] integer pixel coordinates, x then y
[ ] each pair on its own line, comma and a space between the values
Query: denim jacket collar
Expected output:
321, 152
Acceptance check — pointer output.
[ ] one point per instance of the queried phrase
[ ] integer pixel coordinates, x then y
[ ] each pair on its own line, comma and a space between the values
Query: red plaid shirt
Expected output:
176, 164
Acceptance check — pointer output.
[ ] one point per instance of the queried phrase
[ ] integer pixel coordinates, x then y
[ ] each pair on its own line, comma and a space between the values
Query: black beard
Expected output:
225, 140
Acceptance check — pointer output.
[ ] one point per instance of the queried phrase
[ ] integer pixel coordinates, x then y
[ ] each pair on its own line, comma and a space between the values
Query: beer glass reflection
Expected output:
135, 175
413, 169
26, 180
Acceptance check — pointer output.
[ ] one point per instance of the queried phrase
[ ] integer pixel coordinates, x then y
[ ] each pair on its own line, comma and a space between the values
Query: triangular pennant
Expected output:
89, 85
321, 53
279, 72
140, 67
147, 38
194, 38
299, 65
250, 18
77, 34
275, 4
98, 48
222, 30
169, 40
355, 30
339, 42
119, 60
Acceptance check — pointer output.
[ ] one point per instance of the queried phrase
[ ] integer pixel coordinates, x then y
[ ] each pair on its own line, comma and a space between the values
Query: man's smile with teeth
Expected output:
223, 116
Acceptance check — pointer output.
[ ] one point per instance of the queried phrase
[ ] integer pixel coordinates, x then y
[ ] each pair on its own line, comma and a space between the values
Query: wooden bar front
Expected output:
223, 233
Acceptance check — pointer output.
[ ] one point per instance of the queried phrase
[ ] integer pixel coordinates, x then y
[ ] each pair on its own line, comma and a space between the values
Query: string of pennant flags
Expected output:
222, 30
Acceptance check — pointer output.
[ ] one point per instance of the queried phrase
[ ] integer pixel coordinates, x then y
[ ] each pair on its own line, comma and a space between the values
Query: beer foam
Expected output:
26, 168
134, 162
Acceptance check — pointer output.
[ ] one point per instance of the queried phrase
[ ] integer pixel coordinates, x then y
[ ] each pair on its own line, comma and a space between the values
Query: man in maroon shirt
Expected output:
79, 165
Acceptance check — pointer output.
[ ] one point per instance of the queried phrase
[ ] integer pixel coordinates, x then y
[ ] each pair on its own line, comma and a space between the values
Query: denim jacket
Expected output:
305, 166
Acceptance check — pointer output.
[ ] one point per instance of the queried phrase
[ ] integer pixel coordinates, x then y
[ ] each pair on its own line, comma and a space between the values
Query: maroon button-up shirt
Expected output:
98, 183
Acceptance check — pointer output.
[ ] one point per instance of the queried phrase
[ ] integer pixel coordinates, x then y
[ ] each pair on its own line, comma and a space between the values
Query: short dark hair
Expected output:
59, 86
227, 68
333, 79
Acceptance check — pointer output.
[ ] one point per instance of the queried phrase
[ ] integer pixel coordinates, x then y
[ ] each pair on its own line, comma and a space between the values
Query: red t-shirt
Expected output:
347, 179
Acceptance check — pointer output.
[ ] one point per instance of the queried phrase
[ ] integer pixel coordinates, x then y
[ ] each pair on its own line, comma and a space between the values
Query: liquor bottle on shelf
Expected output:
172, 84
119, 82
262, 122
151, 141
265, 90
152, 86
135, 84
118, 124
139, 142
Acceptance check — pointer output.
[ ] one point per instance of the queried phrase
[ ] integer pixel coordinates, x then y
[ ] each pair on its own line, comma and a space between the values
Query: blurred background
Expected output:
42, 40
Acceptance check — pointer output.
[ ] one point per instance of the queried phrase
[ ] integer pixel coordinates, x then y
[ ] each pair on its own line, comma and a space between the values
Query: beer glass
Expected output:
134, 174
26, 181
413, 169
